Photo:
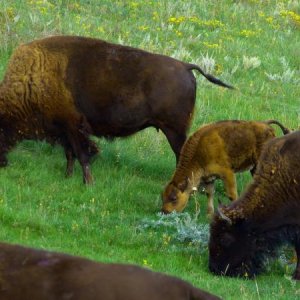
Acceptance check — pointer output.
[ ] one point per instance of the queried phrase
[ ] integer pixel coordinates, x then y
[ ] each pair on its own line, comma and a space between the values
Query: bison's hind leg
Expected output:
209, 191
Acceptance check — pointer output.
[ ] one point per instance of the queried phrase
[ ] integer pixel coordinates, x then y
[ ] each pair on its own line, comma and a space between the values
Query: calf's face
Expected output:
175, 197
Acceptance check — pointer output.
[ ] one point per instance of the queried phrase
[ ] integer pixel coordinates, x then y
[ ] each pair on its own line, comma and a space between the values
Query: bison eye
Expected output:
173, 199
227, 240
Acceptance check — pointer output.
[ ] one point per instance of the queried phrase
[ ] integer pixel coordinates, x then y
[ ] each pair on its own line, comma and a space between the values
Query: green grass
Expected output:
109, 220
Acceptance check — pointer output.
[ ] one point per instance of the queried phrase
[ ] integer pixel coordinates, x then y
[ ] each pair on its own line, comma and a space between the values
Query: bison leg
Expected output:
175, 139
82, 154
80, 148
209, 190
70, 156
228, 178
296, 275
70, 161
3, 160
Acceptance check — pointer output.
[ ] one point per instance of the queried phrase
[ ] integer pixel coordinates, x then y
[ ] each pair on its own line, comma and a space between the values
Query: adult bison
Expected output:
64, 88
266, 216
30, 274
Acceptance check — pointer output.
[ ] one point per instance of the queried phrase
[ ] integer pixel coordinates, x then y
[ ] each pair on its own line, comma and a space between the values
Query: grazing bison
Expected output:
266, 216
217, 150
65, 88
28, 274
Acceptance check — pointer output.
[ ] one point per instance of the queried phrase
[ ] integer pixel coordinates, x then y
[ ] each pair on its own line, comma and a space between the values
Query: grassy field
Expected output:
253, 45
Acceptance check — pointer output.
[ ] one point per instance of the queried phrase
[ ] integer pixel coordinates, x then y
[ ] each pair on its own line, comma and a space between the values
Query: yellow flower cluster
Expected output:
211, 46
146, 263
143, 28
213, 23
10, 12
210, 23
42, 5
177, 21
291, 15
248, 33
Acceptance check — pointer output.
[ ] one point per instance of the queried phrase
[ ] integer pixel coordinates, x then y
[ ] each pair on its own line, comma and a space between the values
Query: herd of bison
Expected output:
63, 89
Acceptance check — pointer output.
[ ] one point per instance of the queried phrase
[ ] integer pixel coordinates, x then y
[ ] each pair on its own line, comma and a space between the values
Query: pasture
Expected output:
251, 44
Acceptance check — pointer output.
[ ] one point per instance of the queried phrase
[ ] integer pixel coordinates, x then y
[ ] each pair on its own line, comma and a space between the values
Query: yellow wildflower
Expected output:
248, 33
212, 46
143, 28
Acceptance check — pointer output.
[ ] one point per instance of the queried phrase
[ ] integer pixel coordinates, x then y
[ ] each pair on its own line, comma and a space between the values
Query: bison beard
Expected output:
65, 88
244, 234
29, 274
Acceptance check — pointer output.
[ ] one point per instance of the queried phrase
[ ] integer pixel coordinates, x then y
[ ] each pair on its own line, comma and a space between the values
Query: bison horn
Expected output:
223, 217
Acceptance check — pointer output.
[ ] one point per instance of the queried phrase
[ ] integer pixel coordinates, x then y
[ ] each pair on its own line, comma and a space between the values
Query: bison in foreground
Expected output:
266, 216
28, 274
65, 88
217, 150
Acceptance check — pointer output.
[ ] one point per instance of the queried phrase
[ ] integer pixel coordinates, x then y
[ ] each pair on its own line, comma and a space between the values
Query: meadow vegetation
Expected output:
251, 44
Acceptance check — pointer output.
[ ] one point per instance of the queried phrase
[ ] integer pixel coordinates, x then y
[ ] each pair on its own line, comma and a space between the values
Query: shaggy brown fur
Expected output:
267, 215
64, 88
28, 274
216, 151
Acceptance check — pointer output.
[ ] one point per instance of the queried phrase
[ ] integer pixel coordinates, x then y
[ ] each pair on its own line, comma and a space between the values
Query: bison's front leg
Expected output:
70, 161
296, 275
228, 178
70, 156
209, 190
81, 151
80, 146
3, 160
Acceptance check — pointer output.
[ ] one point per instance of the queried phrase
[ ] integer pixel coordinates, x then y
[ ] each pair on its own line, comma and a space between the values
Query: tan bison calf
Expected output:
217, 150
28, 274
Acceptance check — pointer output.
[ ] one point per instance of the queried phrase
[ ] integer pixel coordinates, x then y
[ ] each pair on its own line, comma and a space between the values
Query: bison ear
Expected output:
183, 184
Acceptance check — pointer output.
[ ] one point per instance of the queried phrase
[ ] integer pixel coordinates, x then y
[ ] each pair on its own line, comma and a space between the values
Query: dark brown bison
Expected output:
217, 150
65, 88
266, 216
28, 274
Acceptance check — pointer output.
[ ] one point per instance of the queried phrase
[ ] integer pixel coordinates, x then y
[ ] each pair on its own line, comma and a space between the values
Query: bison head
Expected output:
175, 196
233, 249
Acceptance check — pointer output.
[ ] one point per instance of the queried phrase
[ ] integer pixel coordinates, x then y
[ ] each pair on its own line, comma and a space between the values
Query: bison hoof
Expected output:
69, 173
209, 216
3, 163
296, 275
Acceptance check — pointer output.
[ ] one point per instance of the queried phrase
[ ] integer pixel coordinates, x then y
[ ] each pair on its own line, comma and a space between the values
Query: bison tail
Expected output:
208, 76
284, 129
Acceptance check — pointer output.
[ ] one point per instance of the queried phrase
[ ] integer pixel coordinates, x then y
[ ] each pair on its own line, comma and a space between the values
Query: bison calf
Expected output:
266, 216
28, 274
216, 151
65, 88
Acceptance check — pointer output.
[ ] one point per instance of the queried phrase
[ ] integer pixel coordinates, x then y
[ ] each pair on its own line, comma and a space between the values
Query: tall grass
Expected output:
253, 45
